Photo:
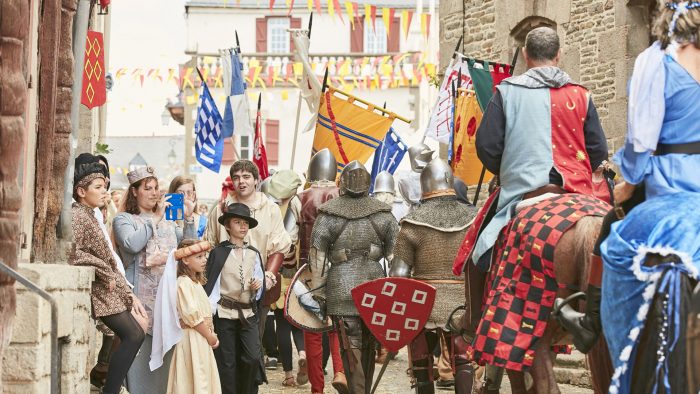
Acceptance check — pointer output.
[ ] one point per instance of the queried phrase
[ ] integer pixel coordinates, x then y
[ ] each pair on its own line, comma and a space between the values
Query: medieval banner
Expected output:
465, 163
349, 131
94, 88
441, 117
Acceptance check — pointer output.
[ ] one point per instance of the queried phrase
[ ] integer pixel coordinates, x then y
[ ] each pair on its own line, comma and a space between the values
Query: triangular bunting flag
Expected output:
406, 18
351, 14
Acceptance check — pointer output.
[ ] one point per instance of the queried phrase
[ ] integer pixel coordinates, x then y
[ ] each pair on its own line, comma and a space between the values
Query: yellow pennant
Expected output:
368, 14
331, 9
386, 17
351, 14
310, 4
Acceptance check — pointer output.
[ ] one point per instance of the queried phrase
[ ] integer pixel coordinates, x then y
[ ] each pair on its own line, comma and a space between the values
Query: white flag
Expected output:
310, 86
440, 122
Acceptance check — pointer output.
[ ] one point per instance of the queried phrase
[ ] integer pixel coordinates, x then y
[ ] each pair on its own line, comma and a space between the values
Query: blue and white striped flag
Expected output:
209, 146
388, 155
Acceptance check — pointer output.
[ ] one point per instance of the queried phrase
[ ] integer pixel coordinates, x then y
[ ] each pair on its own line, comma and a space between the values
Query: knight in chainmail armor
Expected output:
429, 238
352, 233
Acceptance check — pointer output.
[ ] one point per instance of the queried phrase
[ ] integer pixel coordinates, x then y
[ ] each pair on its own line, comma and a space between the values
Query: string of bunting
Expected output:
362, 73
353, 11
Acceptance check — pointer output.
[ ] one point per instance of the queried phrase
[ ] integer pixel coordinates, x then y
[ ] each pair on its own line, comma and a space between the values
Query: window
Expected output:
246, 148
277, 35
375, 41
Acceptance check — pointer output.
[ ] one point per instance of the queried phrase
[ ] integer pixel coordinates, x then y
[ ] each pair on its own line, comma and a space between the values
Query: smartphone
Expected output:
176, 210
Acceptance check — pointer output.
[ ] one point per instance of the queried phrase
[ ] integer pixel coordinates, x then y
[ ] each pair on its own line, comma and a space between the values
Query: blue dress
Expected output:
671, 173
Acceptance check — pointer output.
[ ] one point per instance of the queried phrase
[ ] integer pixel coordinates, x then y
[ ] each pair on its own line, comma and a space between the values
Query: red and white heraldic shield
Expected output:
394, 309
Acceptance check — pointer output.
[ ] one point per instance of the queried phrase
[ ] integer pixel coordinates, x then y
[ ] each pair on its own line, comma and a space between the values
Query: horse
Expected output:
571, 267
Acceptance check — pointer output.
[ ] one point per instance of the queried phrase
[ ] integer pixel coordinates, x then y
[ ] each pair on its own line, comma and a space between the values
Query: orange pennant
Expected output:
336, 5
387, 17
272, 4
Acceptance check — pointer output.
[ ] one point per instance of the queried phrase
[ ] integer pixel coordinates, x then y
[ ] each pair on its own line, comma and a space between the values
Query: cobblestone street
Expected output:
394, 381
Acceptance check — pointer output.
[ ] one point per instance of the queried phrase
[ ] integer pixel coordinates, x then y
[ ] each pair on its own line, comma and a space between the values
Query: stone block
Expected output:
65, 301
54, 276
32, 320
26, 362
611, 44
42, 385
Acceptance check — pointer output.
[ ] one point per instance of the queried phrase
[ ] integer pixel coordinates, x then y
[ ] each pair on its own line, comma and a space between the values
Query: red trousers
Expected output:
313, 344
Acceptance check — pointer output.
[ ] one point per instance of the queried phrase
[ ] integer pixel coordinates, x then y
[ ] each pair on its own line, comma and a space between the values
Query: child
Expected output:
235, 287
193, 367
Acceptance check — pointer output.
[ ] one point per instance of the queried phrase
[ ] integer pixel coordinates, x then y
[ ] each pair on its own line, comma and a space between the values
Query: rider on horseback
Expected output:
662, 149
540, 133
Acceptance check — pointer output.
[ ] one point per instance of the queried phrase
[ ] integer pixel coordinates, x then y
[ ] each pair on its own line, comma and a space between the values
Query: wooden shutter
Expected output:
272, 141
229, 155
393, 43
357, 36
294, 23
260, 35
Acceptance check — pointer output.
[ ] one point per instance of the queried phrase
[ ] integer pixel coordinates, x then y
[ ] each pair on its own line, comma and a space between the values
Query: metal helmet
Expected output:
322, 167
437, 176
420, 155
384, 183
354, 180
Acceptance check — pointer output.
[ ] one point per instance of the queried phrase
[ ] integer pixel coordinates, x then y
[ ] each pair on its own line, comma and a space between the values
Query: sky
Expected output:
145, 34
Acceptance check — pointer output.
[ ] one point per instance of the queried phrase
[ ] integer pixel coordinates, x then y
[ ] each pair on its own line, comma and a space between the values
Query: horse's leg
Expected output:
600, 365
517, 382
542, 370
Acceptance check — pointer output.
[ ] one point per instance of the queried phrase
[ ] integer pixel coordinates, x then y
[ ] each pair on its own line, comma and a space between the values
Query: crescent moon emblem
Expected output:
572, 107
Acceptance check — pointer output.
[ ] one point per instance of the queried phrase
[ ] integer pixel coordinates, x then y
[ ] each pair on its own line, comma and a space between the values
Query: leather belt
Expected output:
690, 148
238, 307
550, 188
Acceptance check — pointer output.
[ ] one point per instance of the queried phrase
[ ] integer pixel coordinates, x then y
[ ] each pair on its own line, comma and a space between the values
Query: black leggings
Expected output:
131, 336
285, 331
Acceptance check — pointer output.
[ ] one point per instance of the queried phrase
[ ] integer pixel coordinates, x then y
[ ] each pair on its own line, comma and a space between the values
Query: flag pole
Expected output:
483, 168
296, 127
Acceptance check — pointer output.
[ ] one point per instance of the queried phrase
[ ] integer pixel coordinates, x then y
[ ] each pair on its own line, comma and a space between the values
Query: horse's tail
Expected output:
587, 230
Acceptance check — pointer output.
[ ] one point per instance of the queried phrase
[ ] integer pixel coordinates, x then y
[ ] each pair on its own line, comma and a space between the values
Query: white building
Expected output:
264, 40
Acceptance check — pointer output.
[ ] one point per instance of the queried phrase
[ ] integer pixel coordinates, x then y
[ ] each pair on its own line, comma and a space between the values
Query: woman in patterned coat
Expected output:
112, 299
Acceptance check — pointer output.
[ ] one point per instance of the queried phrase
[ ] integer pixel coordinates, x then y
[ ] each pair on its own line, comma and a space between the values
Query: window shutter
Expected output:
272, 141
357, 36
260, 35
294, 23
394, 39
229, 155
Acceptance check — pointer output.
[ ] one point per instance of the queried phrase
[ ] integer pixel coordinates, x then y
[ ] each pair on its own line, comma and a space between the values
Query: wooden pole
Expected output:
296, 133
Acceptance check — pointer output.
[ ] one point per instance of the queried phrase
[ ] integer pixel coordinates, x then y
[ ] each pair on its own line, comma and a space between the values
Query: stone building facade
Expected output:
600, 41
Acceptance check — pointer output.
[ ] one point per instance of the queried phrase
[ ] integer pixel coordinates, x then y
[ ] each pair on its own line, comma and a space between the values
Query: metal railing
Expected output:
55, 389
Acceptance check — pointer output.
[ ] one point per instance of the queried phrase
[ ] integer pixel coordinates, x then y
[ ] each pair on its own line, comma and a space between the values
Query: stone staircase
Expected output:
571, 369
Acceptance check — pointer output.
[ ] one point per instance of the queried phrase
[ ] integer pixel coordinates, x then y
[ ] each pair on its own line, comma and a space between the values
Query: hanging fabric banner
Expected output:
441, 116
465, 163
483, 81
94, 92
349, 131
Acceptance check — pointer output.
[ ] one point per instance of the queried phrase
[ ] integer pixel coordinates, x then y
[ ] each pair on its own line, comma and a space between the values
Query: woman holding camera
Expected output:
145, 238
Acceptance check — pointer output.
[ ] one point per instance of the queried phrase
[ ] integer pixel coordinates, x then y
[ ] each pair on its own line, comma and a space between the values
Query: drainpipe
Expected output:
80, 26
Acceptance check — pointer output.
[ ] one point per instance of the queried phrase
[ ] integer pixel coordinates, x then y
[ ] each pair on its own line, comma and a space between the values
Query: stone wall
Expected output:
27, 361
600, 40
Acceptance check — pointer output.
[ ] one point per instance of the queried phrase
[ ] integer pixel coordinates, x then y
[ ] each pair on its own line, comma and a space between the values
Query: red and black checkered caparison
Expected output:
523, 286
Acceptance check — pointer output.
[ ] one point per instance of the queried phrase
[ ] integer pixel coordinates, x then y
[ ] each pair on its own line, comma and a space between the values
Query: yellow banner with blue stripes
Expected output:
352, 130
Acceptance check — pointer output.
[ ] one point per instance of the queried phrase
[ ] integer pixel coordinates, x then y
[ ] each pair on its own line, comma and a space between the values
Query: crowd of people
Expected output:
197, 305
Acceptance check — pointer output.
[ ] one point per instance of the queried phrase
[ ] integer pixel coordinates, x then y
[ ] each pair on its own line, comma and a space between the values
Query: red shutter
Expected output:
260, 35
294, 23
357, 36
272, 141
229, 155
394, 39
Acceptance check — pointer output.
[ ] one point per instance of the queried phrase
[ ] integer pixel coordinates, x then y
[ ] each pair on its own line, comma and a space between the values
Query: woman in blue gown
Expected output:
660, 163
